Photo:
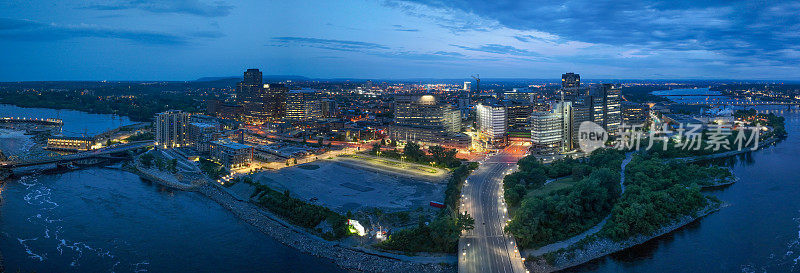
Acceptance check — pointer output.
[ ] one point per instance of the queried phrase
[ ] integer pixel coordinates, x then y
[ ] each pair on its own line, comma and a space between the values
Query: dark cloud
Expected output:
340, 45
193, 7
741, 29
28, 30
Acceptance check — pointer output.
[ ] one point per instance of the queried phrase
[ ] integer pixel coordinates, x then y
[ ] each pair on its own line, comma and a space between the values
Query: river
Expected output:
107, 220
758, 230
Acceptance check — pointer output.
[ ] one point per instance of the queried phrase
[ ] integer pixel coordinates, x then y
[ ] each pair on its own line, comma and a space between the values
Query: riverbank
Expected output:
597, 248
346, 257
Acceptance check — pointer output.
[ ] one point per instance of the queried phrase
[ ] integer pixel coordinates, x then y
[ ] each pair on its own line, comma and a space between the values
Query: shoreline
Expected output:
603, 247
348, 258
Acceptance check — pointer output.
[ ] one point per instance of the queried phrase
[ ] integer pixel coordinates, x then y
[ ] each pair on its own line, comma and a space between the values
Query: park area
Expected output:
343, 185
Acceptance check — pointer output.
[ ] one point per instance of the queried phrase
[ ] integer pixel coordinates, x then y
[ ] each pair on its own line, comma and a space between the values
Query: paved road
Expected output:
487, 248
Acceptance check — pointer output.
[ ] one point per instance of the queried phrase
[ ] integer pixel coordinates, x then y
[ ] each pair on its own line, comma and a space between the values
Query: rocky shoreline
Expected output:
343, 256
604, 246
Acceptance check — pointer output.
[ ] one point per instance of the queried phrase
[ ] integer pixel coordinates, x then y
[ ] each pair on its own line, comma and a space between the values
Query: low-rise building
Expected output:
230, 154
73, 144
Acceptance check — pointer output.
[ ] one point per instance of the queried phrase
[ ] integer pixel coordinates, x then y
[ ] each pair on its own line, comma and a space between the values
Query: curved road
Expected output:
487, 248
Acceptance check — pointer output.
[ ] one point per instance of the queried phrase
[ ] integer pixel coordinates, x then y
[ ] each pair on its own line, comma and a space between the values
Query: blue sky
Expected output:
189, 39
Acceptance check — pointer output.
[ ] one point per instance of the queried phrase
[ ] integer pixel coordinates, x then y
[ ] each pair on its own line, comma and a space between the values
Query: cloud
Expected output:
193, 7
499, 49
742, 30
340, 45
29, 30
401, 28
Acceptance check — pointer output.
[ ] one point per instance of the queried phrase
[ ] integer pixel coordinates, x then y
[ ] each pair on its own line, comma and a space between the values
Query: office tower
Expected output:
275, 100
425, 119
463, 105
250, 94
171, 129
611, 107
492, 123
303, 105
261, 102
467, 86
552, 131
570, 80
634, 113
518, 116
328, 108
571, 86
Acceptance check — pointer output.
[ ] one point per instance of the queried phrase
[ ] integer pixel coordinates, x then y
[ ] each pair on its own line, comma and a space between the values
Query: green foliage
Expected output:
565, 213
413, 152
301, 213
442, 234
657, 194
142, 136
147, 160
212, 169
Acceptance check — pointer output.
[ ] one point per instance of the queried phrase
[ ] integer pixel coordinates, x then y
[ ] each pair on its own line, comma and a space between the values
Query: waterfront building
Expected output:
492, 123
170, 129
201, 133
425, 119
71, 144
230, 154
303, 105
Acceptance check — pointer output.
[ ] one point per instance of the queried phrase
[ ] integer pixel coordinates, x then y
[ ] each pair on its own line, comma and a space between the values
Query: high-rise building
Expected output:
492, 123
570, 80
250, 94
612, 108
328, 108
552, 131
170, 127
275, 100
424, 119
571, 86
518, 115
303, 105
467, 86
261, 102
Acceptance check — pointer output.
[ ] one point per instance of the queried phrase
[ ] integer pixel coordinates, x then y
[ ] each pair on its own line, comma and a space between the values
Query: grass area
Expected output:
392, 163
557, 185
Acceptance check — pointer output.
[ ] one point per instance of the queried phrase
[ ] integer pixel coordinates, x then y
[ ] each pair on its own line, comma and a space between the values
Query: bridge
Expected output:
38, 121
99, 153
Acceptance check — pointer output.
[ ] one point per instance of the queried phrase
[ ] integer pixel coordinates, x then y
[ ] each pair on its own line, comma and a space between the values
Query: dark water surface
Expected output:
107, 220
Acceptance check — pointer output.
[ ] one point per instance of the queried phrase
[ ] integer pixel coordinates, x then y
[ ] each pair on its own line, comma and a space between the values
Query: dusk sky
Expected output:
189, 39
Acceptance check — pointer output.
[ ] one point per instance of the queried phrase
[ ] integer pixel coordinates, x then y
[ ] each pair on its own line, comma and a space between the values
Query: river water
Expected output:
759, 230
107, 220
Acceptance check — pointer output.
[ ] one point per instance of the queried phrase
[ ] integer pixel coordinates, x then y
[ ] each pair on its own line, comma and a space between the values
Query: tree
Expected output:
294, 161
465, 222
147, 160
173, 165
412, 151
376, 148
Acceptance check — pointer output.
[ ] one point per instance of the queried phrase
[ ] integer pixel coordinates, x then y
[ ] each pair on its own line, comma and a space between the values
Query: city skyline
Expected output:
186, 40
